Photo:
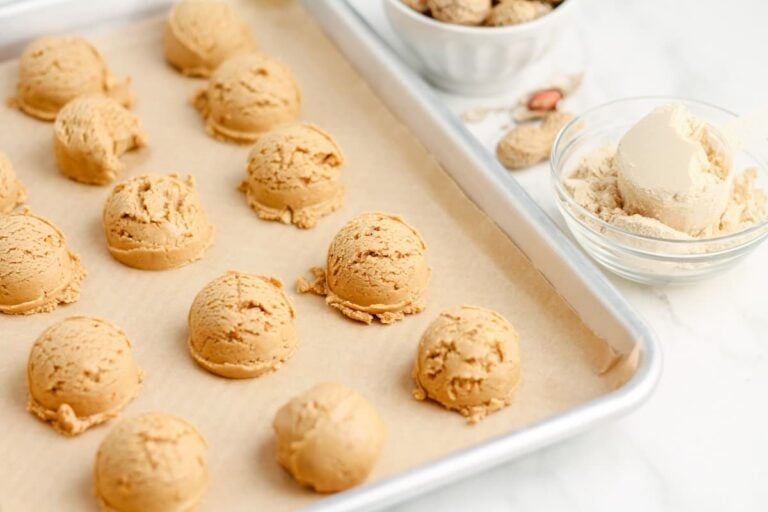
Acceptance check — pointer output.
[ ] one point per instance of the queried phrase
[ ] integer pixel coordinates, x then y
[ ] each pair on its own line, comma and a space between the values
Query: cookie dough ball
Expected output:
248, 95
293, 175
329, 437
513, 12
156, 222
81, 373
156, 462
201, 34
375, 268
37, 270
12, 191
460, 12
241, 326
53, 70
90, 134
468, 360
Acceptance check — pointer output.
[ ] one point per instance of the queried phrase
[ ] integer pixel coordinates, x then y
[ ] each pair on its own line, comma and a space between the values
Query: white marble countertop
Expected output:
701, 442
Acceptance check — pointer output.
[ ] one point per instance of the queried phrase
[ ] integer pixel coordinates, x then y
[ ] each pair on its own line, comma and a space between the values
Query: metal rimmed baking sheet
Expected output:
475, 221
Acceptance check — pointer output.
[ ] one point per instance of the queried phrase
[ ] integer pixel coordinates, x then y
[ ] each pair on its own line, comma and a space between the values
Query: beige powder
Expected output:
594, 186
674, 167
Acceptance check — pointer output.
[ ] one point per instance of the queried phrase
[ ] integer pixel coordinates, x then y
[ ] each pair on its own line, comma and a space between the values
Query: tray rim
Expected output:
333, 15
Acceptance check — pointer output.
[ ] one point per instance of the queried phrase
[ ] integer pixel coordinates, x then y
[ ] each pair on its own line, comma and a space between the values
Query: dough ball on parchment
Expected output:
247, 96
293, 175
201, 34
53, 70
375, 269
38, 272
90, 134
242, 325
156, 222
469, 361
329, 437
81, 373
12, 191
155, 462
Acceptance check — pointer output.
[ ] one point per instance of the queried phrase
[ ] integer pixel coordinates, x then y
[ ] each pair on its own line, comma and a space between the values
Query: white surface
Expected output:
700, 443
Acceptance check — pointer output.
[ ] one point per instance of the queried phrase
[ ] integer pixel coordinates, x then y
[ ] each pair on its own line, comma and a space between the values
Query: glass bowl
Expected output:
637, 257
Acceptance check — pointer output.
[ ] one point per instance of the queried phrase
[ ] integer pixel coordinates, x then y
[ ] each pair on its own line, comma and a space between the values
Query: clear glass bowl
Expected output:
641, 258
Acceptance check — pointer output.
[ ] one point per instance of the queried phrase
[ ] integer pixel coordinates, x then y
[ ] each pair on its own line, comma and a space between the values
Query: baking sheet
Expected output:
563, 363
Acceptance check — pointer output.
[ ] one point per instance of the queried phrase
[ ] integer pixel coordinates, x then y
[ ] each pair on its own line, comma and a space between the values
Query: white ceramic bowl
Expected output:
475, 60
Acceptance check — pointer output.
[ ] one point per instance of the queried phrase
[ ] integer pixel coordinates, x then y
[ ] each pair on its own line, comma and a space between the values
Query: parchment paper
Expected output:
563, 363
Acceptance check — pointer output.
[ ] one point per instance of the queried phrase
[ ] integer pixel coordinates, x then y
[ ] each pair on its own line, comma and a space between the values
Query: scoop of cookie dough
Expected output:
460, 12
90, 134
37, 270
468, 360
241, 326
293, 175
156, 222
375, 268
53, 70
329, 437
155, 462
81, 373
248, 95
201, 34
513, 12
12, 191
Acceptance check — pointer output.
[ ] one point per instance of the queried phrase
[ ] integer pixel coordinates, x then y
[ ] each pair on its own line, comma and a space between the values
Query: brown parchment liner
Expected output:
563, 363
